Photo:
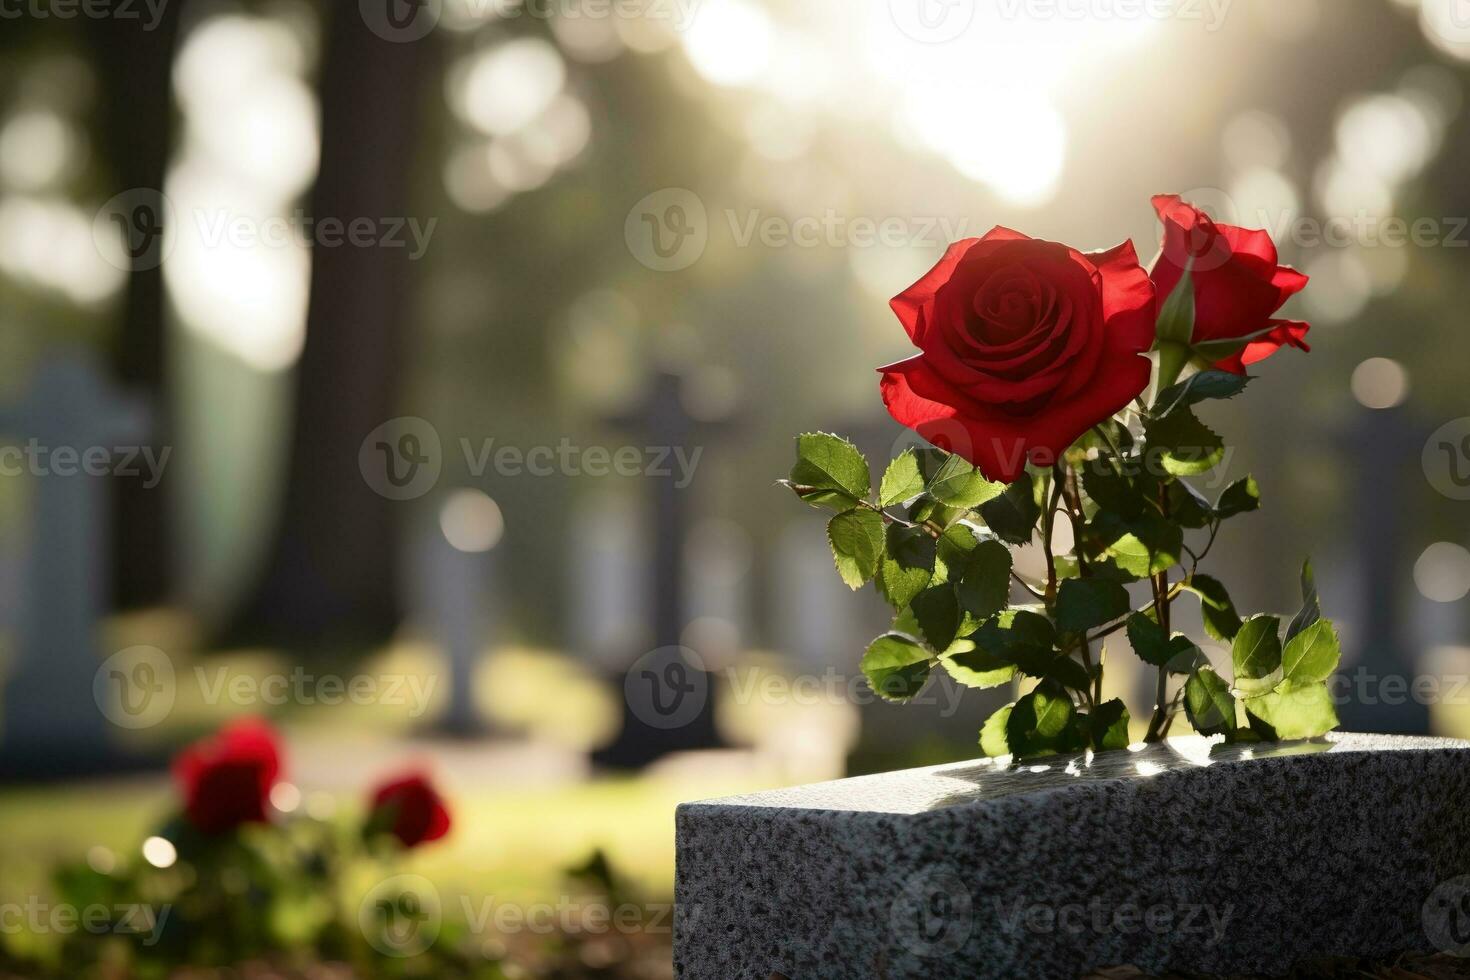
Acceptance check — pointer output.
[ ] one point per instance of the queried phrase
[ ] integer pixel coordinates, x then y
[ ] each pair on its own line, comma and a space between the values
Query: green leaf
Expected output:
1189, 446
1201, 387
829, 471
993, 740
1018, 637
856, 538
1313, 654
1111, 490
896, 667
956, 546
1176, 315
979, 669
1208, 703
1187, 507
960, 485
1038, 720
1013, 514
1187, 656
1297, 709
1311, 610
938, 612
907, 565
985, 588
1085, 603
902, 480
1221, 620
1109, 724
1241, 497
1141, 547
927, 510
1067, 672
1148, 639
1256, 655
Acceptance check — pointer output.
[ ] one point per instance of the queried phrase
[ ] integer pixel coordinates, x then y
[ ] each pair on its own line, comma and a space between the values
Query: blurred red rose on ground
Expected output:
410, 809
226, 780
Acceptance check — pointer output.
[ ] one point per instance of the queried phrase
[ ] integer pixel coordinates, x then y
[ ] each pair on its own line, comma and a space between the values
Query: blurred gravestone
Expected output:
455, 601
51, 721
668, 704
1385, 445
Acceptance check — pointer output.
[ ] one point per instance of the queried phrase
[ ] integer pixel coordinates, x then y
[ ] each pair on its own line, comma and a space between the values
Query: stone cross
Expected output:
667, 699
51, 720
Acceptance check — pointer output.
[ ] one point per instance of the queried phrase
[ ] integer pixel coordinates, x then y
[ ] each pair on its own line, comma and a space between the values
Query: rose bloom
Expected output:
226, 780
1238, 284
410, 809
1026, 344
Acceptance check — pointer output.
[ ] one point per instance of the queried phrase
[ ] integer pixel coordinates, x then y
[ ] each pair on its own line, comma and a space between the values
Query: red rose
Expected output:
409, 809
1026, 345
226, 780
1238, 285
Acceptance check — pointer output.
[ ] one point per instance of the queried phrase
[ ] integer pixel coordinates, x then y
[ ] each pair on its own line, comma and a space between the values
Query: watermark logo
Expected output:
668, 230
933, 914
667, 688
1446, 459
148, 12
134, 231
37, 918
932, 21
402, 458
135, 688
401, 917
401, 21
1446, 916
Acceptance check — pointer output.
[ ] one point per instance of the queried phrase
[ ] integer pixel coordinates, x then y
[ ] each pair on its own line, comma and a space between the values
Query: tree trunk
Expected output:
330, 583
136, 127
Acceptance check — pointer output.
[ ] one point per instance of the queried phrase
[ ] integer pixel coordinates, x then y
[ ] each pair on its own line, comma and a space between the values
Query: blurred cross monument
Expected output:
67, 426
667, 695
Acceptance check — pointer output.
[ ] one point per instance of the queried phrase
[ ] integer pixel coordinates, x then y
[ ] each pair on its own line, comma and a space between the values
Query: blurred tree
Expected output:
331, 578
135, 114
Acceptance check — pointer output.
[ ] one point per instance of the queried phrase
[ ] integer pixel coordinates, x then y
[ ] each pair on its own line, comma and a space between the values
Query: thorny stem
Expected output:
1162, 596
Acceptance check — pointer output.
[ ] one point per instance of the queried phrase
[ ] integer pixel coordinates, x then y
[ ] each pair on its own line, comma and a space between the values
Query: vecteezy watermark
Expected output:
567, 915
932, 21
148, 12
1364, 687
1446, 916
37, 459
402, 916
1446, 459
37, 917
669, 230
1211, 13
138, 688
139, 229
411, 20
934, 913
667, 688
402, 459
754, 685
1201, 924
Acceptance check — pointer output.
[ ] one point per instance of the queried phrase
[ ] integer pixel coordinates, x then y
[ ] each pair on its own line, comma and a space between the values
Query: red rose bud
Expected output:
226, 780
1238, 285
1026, 345
409, 809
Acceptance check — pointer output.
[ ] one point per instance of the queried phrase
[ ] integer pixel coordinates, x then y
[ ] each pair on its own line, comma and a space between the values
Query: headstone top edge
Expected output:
915, 791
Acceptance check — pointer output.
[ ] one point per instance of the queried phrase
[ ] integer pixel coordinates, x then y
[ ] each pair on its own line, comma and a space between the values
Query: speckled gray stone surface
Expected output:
1172, 858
